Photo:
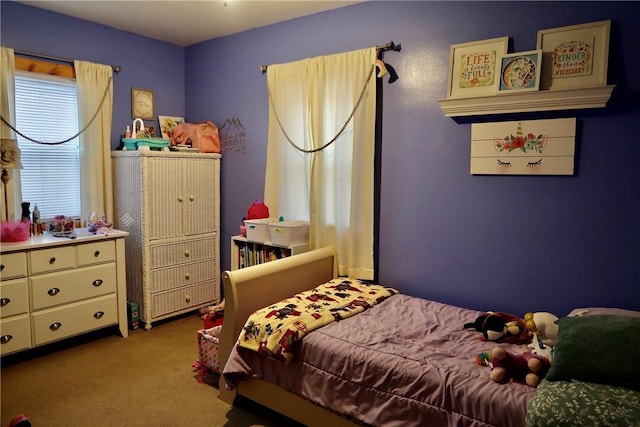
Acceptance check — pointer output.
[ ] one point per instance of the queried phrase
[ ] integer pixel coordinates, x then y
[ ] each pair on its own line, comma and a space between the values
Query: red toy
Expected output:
528, 368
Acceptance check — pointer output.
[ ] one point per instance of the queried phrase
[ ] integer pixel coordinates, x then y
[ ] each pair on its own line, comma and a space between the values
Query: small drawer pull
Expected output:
97, 282
4, 301
96, 254
52, 260
191, 197
187, 298
53, 291
187, 253
187, 276
1, 267
5, 339
180, 198
55, 326
98, 314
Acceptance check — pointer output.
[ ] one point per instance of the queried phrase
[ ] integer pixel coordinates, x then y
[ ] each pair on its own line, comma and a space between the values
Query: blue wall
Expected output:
505, 243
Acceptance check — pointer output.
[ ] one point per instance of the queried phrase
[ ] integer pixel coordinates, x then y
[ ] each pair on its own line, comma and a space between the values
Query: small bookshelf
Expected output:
245, 253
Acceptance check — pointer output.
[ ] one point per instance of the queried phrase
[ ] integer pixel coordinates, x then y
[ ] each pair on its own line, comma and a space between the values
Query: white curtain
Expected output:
96, 186
311, 100
8, 111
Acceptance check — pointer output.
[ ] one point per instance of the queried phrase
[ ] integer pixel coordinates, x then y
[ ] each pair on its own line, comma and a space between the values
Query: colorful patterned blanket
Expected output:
276, 330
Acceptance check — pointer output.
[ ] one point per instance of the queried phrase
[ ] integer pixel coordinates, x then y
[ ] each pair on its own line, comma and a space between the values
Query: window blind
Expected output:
47, 110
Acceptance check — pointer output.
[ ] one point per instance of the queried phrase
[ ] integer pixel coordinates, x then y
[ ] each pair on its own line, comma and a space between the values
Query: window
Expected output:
47, 111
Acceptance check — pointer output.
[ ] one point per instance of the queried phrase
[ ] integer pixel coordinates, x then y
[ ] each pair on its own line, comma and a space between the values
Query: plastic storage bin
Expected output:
289, 233
258, 229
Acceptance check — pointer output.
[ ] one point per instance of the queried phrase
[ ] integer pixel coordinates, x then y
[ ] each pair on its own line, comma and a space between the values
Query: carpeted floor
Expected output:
102, 379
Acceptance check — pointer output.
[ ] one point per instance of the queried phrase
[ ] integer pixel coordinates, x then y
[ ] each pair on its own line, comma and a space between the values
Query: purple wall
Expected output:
505, 243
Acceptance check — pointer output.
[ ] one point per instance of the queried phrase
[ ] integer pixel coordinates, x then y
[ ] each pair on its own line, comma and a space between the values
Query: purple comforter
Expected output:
405, 362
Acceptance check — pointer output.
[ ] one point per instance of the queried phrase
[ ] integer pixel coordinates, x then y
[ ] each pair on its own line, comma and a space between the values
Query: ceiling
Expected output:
185, 22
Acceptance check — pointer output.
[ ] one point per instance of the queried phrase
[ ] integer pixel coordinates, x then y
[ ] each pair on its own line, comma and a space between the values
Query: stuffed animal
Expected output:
501, 327
544, 325
528, 368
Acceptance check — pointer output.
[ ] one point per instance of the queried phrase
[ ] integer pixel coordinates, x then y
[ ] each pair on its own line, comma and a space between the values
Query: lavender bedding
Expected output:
404, 362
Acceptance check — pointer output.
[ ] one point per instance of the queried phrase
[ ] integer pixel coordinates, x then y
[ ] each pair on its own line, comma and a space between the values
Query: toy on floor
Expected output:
528, 368
212, 315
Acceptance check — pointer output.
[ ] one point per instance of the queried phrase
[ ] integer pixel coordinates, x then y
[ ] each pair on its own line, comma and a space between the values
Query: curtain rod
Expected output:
389, 46
116, 68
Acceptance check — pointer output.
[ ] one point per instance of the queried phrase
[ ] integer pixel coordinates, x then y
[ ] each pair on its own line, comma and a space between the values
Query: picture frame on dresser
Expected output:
574, 56
473, 67
519, 72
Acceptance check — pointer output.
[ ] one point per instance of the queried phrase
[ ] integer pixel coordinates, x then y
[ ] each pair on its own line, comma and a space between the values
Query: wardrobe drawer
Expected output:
185, 297
166, 255
14, 297
15, 334
73, 319
164, 279
13, 265
96, 253
52, 259
53, 289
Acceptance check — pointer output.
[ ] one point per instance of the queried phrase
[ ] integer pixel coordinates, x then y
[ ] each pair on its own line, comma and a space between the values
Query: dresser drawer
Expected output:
13, 265
185, 297
52, 259
53, 289
14, 297
96, 253
73, 319
168, 254
164, 279
15, 334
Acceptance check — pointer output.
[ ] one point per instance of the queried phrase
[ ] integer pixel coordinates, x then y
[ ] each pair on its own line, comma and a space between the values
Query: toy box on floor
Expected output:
208, 359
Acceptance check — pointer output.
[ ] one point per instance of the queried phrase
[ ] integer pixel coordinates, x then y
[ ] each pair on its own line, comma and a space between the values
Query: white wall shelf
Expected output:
543, 100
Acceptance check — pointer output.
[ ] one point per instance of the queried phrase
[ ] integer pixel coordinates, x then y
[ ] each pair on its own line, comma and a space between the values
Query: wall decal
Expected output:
233, 136
525, 147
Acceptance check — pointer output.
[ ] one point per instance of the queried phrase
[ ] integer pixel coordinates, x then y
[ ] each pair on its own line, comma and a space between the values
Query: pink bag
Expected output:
203, 136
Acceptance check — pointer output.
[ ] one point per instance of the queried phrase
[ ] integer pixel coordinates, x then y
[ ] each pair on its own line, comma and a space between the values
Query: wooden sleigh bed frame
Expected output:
249, 289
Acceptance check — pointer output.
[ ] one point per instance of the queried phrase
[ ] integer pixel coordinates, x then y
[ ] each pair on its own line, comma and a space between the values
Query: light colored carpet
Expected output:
102, 379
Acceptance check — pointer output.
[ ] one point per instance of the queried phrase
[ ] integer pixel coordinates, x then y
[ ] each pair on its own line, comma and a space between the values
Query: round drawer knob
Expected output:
98, 314
187, 253
53, 291
55, 326
96, 254
187, 276
1, 267
5, 339
187, 298
4, 301
97, 282
52, 260
180, 198
191, 197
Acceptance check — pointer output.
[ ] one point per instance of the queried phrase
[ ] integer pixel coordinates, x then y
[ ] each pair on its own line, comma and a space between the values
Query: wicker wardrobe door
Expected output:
165, 198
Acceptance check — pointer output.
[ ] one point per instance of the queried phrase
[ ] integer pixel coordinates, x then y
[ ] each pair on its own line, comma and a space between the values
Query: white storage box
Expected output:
258, 229
289, 233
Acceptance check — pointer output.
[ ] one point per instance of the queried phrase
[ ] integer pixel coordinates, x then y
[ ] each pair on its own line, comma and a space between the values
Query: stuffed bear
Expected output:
528, 368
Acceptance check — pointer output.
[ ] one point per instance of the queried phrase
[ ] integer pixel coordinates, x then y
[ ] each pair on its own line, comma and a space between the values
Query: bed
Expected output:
403, 362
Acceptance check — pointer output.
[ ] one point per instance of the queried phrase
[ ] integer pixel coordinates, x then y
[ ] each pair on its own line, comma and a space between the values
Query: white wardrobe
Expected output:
169, 202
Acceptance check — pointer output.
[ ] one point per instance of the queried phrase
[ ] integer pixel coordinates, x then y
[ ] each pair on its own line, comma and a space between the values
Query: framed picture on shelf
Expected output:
473, 67
519, 72
167, 124
142, 104
574, 56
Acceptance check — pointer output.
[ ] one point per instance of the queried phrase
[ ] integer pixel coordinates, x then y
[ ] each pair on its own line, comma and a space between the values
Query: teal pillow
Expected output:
600, 348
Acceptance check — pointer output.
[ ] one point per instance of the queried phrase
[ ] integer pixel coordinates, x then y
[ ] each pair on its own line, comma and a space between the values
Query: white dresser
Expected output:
53, 288
169, 202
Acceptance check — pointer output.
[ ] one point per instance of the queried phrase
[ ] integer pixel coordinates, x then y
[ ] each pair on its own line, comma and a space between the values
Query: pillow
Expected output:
587, 311
600, 348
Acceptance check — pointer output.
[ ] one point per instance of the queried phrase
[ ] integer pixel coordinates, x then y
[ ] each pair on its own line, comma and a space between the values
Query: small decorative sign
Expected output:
574, 56
526, 147
519, 72
472, 67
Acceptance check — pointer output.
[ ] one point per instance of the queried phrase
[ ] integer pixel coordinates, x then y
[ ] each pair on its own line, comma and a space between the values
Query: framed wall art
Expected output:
142, 104
473, 66
574, 56
167, 123
519, 72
